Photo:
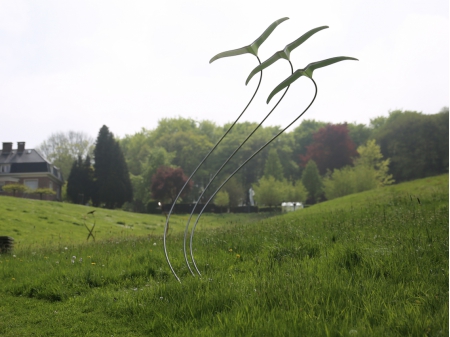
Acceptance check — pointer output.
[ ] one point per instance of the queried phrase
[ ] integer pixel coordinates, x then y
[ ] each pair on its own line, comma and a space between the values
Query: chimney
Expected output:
7, 147
20, 146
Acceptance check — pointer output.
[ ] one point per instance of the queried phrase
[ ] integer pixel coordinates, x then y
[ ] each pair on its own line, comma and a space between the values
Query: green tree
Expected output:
112, 181
312, 181
236, 192
269, 191
370, 156
43, 191
13, 188
273, 166
222, 199
417, 144
296, 191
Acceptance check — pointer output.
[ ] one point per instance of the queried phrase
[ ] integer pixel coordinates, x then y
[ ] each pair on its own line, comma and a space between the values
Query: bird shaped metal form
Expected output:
253, 47
308, 72
285, 53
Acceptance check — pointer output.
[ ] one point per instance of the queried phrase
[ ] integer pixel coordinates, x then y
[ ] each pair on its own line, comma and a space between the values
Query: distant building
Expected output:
30, 168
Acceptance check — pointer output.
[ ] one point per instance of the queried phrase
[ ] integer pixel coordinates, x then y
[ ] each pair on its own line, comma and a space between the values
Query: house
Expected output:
30, 168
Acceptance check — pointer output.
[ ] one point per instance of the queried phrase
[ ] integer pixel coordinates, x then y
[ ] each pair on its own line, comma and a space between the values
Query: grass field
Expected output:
372, 264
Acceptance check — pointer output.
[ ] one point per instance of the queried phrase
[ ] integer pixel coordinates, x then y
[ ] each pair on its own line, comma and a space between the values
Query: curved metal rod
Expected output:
189, 179
223, 165
245, 162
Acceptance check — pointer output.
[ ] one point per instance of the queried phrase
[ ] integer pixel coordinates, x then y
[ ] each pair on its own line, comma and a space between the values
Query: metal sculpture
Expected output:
252, 49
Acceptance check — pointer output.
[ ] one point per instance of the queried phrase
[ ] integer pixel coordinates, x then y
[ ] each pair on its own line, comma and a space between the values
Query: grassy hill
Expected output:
35, 223
372, 264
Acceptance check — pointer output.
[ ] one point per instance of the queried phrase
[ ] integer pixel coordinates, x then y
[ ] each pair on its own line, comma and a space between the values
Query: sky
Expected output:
78, 65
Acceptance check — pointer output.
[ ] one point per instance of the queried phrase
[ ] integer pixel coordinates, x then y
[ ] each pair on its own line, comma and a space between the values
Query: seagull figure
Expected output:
308, 72
285, 53
251, 48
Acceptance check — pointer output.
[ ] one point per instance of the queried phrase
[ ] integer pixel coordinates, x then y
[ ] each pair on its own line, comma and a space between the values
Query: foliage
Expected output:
370, 171
80, 184
359, 133
370, 156
222, 199
269, 191
312, 181
13, 188
43, 191
112, 181
273, 166
332, 148
235, 191
296, 191
379, 259
167, 182
416, 143
62, 148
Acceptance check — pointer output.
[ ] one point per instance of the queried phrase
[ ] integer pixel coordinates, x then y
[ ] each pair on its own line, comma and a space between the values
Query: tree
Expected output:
312, 181
296, 191
370, 156
273, 166
43, 191
332, 148
236, 192
370, 171
269, 191
14, 188
80, 184
167, 182
222, 199
112, 181
417, 144
62, 148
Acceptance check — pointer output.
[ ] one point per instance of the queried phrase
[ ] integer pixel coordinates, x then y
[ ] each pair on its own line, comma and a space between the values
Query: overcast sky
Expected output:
77, 65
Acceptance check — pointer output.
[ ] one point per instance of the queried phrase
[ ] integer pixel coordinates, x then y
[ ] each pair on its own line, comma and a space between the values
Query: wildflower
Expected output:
93, 263
65, 248
237, 256
74, 257
14, 256
81, 259
45, 257
57, 262
154, 243
230, 250
89, 257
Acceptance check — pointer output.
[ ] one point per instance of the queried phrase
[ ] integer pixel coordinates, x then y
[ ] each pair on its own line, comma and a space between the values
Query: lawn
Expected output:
372, 264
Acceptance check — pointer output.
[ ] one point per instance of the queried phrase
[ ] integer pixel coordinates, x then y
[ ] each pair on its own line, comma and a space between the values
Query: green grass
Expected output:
372, 264
35, 223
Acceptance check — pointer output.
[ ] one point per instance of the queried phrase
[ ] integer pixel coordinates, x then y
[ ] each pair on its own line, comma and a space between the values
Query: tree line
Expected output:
403, 146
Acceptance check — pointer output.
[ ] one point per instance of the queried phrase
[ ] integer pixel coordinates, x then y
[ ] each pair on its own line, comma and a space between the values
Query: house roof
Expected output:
26, 156
28, 161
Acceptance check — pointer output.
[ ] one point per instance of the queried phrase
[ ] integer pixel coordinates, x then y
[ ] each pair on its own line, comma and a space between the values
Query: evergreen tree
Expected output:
81, 180
112, 180
312, 181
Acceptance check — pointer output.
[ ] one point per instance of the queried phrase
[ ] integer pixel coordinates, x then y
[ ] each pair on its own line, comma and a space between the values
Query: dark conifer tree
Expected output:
80, 181
112, 180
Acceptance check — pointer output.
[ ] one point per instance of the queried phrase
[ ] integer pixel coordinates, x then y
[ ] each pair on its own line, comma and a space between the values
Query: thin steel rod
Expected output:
189, 179
232, 174
226, 162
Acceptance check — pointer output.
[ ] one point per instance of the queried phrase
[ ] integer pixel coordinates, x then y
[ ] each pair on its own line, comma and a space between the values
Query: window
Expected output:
32, 184
50, 185
5, 168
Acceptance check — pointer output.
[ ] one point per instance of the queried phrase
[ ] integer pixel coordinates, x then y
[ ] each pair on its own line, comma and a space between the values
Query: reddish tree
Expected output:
167, 182
332, 148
